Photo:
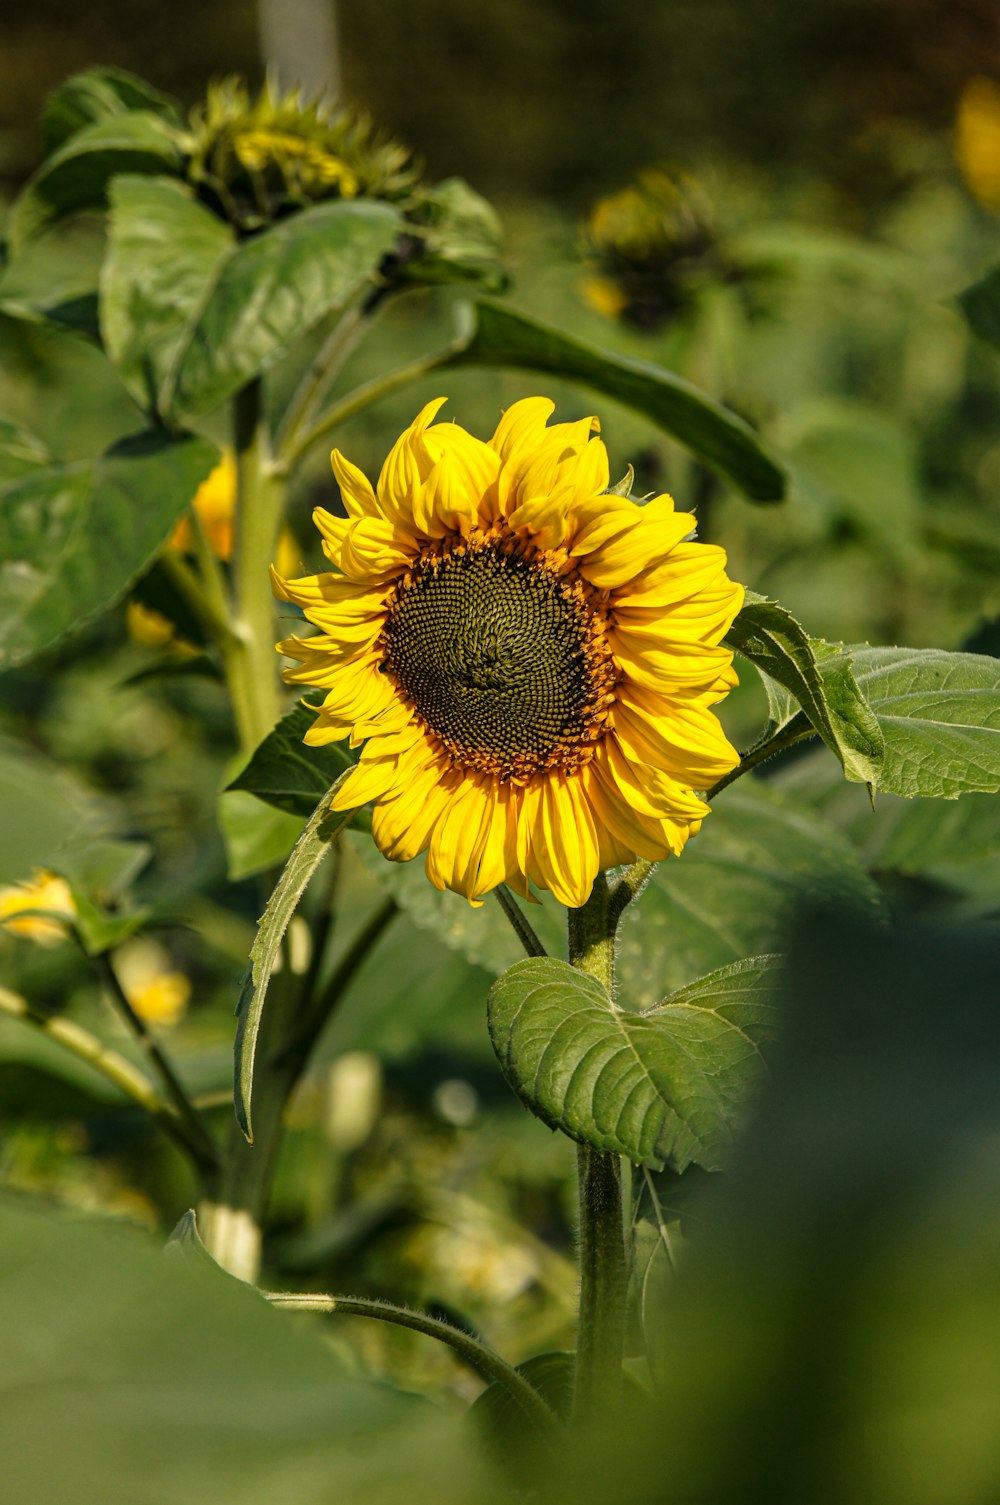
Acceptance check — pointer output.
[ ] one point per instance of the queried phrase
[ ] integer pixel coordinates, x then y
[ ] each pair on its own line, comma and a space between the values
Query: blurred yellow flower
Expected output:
43, 890
159, 994
977, 139
148, 627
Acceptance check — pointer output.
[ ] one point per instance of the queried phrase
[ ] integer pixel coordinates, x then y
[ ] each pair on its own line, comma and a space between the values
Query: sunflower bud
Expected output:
650, 246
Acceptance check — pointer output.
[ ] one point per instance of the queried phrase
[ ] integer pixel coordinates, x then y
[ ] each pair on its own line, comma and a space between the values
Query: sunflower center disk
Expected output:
504, 658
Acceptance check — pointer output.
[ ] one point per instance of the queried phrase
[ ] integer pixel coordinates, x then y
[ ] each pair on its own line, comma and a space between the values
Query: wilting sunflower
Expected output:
530, 660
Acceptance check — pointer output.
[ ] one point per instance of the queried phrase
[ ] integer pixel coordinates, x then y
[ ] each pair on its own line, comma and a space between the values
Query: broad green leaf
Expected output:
73, 537
774, 642
500, 337
257, 837
98, 94
287, 774
980, 304
664, 1087
76, 313
733, 888
164, 252
940, 716
21, 453
43, 811
307, 854
77, 174
275, 287
162, 1369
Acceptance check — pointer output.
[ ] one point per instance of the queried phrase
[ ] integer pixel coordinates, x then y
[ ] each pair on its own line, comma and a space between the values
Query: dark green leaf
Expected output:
773, 641
98, 94
274, 288
77, 174
164, 253
286, 773
76, 314
666, 1087
980, 304
500, 337
73, 537
730, 892
307, 854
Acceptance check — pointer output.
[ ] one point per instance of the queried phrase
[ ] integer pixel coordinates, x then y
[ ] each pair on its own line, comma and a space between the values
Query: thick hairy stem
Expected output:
601, 1329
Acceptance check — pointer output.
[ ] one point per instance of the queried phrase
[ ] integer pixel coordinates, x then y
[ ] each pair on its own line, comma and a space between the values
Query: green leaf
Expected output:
43, 811
731, 892
940, 716
167, 1370
287, 774
73, 537
99, 94
500, 337
665, 1087
257, 837
275, 287
164, 252
773, 641
307, 854
21, 453
75, 314
980, 304
460, 239
76, 176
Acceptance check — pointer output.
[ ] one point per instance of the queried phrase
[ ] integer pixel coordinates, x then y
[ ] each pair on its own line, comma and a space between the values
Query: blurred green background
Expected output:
837, 160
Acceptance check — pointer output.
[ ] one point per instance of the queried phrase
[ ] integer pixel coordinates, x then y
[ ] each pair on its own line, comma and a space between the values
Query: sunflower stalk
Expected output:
342, 340
601, 1327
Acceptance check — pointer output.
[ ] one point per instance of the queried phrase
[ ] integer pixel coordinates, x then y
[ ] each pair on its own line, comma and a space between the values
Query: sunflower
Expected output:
530, 660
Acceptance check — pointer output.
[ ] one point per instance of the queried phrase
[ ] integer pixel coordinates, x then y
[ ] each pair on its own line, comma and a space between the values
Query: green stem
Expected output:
201, 1143
601, 1328
795, 731
251, 663
361, 398
119, 1071
482, 1359
329, 359
519, 924
214, 615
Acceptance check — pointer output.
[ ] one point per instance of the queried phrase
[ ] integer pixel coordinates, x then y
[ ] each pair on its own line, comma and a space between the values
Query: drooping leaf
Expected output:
272, 289
307, 854
73, 537
730, 892
499, 336
940, 716
77, 174
774, 642
665, 1087
99, 94
164, 252
287, 774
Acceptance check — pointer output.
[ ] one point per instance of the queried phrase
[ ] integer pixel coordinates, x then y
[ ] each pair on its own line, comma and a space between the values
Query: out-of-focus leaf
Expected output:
498, 336
43, 811
774, 642
21, 453
257, 837
75, 313
164, 253
273, 288
980, 304
459, 239
77, 174
73, 537
98, 94
730, 892
163, 1369
307, 854
285, 773
665, 1087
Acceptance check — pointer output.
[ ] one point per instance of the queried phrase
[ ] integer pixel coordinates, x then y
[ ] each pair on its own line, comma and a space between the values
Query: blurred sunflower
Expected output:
43, 891
532, 659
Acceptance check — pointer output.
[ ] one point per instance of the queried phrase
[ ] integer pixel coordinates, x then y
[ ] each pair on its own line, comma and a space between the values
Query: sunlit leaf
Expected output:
275, 287
665, 1087
164, 252
98, 94
499, 336
77, 174
307, 854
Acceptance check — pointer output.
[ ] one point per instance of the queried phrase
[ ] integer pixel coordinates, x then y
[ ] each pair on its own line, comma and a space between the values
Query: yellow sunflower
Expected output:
530, 661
